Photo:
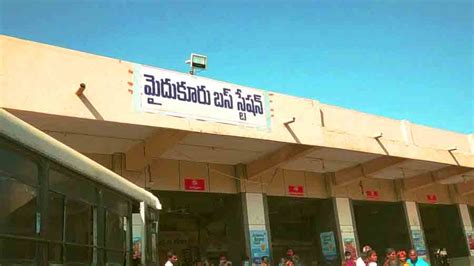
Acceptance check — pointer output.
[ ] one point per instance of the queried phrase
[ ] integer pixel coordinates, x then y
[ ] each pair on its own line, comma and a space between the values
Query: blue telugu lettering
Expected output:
224, 99
169, 92
203, 95
228, 103
151, 90
241, 104
165, 88
181, 88
192, 94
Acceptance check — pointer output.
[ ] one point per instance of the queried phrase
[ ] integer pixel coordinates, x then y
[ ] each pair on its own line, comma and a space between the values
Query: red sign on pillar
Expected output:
372, 194
195, 184
432, 198
295, 190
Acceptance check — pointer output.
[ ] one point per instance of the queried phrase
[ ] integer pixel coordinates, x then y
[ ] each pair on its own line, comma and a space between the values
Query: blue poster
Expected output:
328, 245
259, 245
418, 242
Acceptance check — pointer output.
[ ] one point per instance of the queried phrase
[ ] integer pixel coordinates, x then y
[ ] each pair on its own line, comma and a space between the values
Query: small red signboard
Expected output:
372, 194
432, 198
195, 184
295, 190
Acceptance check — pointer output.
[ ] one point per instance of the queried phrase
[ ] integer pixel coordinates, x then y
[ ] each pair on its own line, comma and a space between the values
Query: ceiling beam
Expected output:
277, 159
354, 173
429, 178
153, 146
465, 188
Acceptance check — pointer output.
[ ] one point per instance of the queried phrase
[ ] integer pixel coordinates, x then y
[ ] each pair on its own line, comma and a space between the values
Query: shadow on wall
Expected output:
90, 107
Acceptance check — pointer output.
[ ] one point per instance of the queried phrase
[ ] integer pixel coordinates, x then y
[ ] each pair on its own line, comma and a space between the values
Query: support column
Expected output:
417, 237
255, 221
256, 227
467, 225
346, 227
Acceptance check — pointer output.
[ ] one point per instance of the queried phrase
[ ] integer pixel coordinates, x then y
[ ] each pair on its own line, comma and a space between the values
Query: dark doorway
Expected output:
381, 225
200, 226
443, 229
301, 224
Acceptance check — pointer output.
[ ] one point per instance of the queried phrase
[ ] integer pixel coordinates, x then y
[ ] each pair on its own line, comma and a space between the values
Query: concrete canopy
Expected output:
305, 135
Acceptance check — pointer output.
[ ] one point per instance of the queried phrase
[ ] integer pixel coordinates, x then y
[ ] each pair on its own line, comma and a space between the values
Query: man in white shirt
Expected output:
172, 258
363, 257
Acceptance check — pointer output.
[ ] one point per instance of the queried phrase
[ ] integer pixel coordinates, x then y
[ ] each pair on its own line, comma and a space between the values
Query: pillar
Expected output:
345, 225
255, 221
467, 225
256, 227
415, 228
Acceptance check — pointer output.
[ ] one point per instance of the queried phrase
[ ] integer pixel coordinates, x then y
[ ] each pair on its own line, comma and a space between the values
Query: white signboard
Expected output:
184, 95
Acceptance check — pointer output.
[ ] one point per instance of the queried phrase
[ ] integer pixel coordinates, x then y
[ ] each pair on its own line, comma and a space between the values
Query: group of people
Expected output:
392, 258
368, 257
291, 259
173, 259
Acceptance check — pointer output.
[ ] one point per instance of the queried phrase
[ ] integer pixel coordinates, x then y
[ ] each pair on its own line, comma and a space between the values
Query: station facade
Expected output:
247, 173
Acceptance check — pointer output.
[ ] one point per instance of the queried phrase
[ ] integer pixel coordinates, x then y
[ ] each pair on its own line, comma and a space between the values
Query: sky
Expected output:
403, 59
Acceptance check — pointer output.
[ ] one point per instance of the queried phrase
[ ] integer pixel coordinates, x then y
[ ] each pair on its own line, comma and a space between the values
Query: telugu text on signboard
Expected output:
184, 95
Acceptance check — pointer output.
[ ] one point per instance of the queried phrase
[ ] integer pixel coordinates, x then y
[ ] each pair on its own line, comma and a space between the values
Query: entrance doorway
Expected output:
201, 226
306, 225
443, 229
381, 225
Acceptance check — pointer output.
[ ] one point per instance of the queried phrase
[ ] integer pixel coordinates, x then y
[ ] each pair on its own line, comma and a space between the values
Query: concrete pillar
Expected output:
414, 226
255, 221
256, 226
467, 225
346, 226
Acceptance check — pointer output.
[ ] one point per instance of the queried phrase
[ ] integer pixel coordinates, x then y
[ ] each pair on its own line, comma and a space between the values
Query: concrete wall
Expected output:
41, 78
361, 124
358, 190
439, 138
164, 174
442, 193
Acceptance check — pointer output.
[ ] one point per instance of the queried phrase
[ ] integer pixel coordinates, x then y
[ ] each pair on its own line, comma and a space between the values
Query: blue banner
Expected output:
328, 245
259, 245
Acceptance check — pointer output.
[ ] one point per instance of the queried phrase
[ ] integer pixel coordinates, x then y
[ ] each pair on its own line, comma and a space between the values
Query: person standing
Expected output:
414, 260
391, 258
282, 262
371, 258
402, 258
291, 257
289, 262
172, 258
361, 261
348, 259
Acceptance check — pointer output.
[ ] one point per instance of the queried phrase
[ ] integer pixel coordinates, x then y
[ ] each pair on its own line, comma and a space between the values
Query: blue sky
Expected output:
400, 59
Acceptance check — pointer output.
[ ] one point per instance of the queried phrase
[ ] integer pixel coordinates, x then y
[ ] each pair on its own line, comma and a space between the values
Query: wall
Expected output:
164, 174
57, 73
442, 193
358, 190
